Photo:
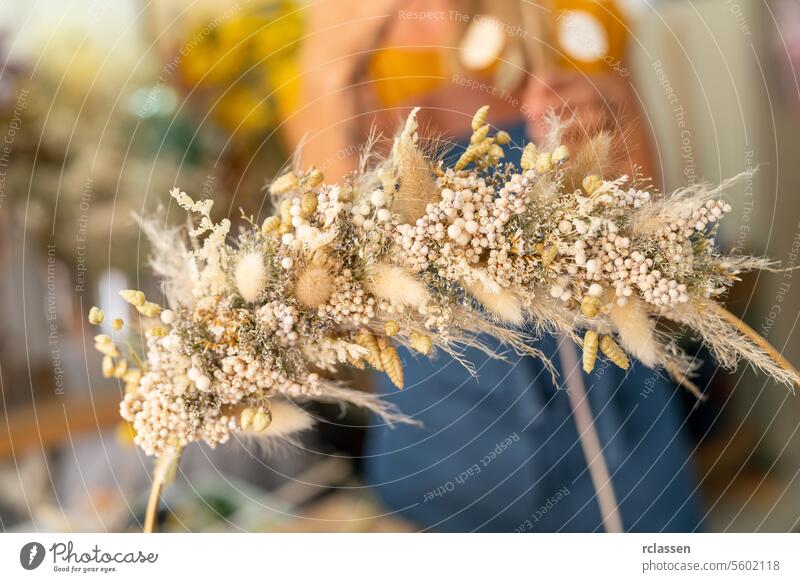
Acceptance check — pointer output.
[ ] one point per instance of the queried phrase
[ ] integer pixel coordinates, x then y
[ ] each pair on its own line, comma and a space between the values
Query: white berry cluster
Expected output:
279, 320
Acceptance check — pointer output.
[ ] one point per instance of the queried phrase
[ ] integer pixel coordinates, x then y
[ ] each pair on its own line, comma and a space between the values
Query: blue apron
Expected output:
501, 452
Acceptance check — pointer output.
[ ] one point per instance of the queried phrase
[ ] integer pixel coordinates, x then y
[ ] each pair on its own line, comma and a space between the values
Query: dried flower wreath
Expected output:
410, 252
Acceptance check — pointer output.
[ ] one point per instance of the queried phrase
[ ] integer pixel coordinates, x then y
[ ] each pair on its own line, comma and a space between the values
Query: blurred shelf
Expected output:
55, 421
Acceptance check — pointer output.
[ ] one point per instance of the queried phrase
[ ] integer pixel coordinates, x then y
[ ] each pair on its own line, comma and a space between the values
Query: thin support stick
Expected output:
750, 333
163, 473
589, 439
152, 506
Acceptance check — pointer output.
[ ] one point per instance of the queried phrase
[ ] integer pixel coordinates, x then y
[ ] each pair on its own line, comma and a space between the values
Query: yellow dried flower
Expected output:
592, 183
590, 306
502, 137
496, 153
549, 254
108, 367
121, 369
117, 324
421, 343
529, 156
544, 162
158, 331
246, 418
105, 346
590, 345
560, 154
132, 296
392, 365
149, 309
613, 352
96, 316
262, 419
392, 328
132, 376
314, 177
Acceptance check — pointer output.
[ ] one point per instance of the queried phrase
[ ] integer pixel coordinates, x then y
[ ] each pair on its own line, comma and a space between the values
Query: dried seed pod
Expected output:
549, 254
270, 225
108, 367
392, 328
356, 362
392, 365
314, 177
368, 341
121, 369
496, 152
135, 298
283, 184
133, 375
544, 162
590, 305
480, 134
96, 316
105, 346
285, 208
529, 156
262, 419
158, 331
479, 119
592, 183
246, 418
502, 137
149, 309
421, 343
590, 345
473, 153
560, 154
309, 204
613, 352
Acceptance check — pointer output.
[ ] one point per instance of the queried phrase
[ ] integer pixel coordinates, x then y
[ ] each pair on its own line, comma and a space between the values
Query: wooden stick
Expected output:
163, 473
752, 334
152, 506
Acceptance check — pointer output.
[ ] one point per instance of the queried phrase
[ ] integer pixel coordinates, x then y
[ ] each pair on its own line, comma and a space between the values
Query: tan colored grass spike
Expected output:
751, 334
613, 352
373, 355
589, 351
392, 366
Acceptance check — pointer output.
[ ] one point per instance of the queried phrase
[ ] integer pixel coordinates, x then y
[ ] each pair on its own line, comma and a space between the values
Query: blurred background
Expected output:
105, 105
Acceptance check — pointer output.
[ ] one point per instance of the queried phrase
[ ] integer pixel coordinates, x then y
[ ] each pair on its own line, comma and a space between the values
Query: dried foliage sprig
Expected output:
410, 252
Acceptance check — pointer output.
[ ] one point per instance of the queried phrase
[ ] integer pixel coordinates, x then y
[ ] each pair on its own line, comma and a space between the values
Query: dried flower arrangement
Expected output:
410, 252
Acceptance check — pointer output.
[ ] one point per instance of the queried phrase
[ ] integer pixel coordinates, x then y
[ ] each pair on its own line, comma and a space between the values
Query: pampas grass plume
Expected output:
504, 304
251, 276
